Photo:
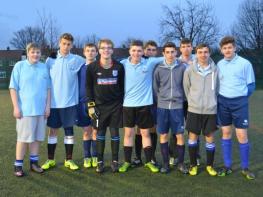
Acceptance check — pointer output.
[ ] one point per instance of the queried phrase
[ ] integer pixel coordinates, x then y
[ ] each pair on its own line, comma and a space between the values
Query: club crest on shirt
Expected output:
99, 73
144, 69
115, 73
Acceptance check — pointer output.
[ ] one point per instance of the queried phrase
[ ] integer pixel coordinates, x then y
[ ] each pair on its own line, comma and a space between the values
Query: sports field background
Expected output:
136, 182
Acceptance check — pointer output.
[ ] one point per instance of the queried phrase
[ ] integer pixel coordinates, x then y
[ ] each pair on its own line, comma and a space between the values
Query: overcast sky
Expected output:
115, 19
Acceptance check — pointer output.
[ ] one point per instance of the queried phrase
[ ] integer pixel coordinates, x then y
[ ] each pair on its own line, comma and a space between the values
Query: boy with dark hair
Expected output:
201, 87
150, 50
187, 58
30, 94
90, 51
237, 83
64, 99
138, 100
105, 91
168, 88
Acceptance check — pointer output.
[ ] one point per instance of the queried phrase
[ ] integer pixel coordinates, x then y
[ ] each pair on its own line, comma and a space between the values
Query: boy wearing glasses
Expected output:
105, 91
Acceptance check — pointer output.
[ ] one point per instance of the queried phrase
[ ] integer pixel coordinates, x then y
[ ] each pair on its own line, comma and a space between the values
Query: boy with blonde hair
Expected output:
30, 94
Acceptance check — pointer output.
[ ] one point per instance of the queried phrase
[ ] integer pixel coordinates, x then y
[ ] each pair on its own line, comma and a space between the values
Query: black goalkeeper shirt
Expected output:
105, 86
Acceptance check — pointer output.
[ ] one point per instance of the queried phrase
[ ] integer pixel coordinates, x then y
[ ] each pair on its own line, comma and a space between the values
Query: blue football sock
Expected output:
86, 147
33, 158
244, 155
227, 152
94, 148
165, 152
19, 163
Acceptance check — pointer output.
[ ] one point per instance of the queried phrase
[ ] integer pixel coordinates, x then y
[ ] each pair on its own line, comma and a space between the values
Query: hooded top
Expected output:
168, 85
201, 88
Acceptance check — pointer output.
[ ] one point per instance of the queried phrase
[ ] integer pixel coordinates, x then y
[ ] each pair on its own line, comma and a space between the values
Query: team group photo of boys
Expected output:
179, 115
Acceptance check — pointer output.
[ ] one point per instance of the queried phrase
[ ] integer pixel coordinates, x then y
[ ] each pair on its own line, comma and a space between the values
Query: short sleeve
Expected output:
153, 61
15, 76
249, 73
79, 62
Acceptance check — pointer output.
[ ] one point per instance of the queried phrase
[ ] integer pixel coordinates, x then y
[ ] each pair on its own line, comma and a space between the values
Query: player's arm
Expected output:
122, 80
92, 110
154, 61
182, 82
156, 83
14, 98
78, 62
186, 83
48, 103
13, 88
250, 79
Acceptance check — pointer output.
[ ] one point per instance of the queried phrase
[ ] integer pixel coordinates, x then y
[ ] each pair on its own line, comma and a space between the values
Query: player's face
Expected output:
150, 51
228, 50
65, 46
34, 55
169, 54
105, 50
136, 53
90, 53
203, 55
186, 49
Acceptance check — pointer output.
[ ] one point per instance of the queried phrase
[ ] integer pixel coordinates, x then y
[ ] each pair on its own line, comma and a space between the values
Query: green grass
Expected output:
137, 182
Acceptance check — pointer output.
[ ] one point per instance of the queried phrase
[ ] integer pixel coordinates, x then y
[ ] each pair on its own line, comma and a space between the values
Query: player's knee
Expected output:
209, 138
242, 138
52, 132
226, 132
94, 134
86, 135
193, 136
128, 133
145, 133
164, 138
180, 139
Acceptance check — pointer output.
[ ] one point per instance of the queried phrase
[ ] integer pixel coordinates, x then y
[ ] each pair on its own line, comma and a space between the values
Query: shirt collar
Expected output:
232, 60
28, 63
60, 56
201, 69
141, 61
174, 64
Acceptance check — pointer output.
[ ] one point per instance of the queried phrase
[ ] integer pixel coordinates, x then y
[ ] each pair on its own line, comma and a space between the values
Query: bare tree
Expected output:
126, 43
195, 21
79, 41
248, 29
92, 38
50, 29
26, 35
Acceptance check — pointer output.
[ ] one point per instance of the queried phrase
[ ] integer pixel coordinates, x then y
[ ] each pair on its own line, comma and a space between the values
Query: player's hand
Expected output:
17, 114
93, 113
47, 112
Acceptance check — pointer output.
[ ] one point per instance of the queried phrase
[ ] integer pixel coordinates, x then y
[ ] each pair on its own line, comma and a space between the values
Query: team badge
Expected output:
115, 73
99, 74
144, 69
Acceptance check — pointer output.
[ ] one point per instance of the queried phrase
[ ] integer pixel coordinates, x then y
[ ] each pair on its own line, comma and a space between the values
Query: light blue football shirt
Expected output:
186, 63
138, 81
31, 82
234, 76
64, 79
